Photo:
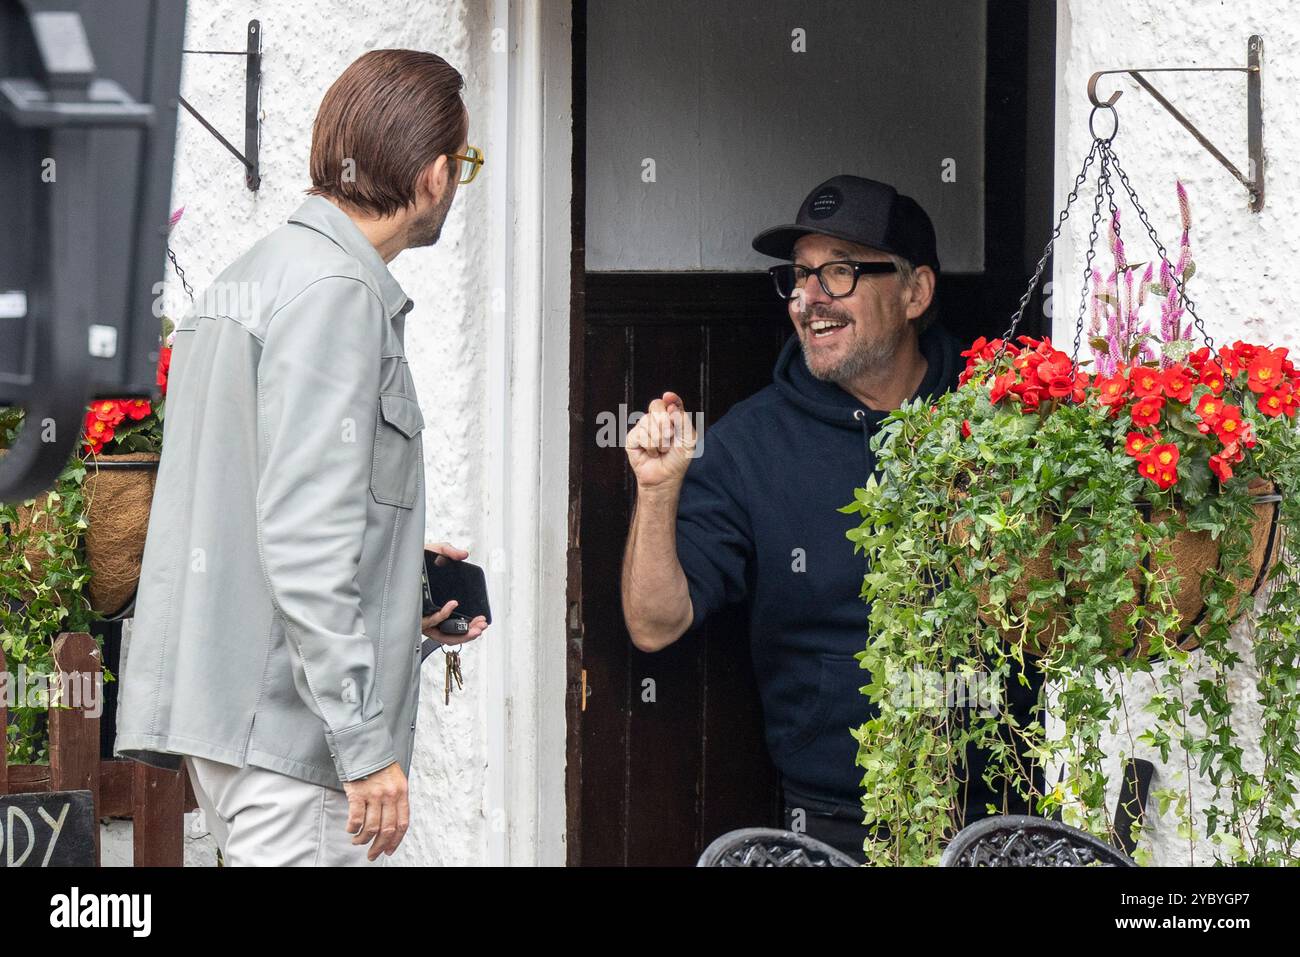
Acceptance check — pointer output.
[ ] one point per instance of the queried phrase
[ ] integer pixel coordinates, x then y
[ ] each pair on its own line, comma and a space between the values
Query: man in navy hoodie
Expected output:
751, 514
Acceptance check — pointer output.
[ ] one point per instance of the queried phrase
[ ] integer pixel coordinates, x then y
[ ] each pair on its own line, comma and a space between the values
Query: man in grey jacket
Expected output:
276, 646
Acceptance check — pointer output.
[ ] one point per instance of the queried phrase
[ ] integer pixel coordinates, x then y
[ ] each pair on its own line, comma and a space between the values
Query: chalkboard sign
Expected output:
47, 829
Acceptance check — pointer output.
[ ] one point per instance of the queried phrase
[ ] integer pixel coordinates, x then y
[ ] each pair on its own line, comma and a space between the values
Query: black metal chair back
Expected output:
1017, 840
771, 847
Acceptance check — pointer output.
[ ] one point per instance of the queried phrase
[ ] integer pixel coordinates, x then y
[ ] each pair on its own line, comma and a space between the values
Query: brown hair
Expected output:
388, 116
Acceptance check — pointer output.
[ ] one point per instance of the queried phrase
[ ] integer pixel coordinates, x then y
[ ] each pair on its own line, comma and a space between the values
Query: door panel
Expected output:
672, 750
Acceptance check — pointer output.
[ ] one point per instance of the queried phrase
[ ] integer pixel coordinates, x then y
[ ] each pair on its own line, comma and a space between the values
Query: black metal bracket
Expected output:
252, 102
1131, 804
1254, 182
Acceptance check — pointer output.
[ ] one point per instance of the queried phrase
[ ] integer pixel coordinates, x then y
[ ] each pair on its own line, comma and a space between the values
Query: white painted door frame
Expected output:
530, 190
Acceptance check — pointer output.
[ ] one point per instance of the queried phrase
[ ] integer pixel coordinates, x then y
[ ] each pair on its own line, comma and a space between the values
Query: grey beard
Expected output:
869, 357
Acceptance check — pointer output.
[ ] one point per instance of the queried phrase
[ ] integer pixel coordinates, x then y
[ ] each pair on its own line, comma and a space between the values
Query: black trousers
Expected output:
839, 822
840, 826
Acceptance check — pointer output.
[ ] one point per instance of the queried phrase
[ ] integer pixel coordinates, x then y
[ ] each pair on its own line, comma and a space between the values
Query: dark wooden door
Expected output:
665, 751
670, 749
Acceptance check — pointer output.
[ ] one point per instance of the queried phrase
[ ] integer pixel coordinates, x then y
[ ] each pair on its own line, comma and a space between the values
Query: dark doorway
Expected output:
653, 782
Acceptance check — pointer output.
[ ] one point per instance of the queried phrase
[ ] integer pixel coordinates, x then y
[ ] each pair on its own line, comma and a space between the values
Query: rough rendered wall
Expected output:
1246, 283
307, 43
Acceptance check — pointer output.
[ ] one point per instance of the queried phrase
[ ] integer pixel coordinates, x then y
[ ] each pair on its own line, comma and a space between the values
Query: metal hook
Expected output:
1092, 90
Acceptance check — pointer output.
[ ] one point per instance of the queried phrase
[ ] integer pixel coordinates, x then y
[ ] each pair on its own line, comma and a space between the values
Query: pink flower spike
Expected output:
1117, 244
1184, 256
1145, 351
1094, 321
175, 217
1128, 297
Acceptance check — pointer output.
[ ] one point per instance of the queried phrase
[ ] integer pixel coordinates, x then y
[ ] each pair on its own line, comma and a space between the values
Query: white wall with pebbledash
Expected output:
1246, 283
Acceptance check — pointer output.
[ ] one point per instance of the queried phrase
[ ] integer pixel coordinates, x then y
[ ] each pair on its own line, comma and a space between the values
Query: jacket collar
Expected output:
318, 213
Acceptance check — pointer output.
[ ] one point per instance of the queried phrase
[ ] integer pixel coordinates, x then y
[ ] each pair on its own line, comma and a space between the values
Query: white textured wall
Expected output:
306, 44
1246, 284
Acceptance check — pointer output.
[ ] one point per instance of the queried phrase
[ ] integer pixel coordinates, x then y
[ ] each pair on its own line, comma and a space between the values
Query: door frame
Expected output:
576, 690
525, 468
1028, 189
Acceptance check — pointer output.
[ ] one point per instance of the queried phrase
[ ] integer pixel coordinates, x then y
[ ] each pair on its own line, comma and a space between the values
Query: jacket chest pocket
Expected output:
394, 474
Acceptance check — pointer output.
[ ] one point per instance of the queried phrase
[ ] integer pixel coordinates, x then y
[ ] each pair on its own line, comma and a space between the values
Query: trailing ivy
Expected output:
1000, 518
43, 576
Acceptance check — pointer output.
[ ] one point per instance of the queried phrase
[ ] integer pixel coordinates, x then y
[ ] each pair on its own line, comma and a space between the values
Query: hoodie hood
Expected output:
835, 405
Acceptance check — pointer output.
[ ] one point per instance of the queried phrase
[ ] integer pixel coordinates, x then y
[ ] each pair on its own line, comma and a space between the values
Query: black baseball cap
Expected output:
861, 211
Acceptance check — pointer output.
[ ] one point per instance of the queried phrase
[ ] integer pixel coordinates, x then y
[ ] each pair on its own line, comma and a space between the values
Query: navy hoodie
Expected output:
758, 522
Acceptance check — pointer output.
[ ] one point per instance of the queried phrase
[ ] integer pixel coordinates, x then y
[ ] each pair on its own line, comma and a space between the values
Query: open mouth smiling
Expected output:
824, 328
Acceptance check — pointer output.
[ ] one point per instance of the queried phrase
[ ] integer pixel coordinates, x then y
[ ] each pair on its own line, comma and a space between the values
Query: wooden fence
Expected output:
155, 799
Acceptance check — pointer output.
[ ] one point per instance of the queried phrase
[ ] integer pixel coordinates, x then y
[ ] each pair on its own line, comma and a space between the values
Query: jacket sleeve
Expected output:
318, 397
715, 545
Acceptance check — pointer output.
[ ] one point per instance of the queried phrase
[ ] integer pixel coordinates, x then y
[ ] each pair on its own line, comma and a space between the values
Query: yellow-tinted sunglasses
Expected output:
470, 162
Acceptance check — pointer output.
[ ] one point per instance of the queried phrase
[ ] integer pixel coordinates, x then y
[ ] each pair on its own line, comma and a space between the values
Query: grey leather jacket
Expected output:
277, 622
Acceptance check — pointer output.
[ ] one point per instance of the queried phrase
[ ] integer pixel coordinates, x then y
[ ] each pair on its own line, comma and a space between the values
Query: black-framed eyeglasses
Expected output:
838, 278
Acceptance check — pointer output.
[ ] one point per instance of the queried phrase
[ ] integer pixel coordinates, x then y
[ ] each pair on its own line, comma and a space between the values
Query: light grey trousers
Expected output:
261, 818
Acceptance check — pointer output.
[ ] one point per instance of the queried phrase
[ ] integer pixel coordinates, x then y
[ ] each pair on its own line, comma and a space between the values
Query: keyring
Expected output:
1093, 115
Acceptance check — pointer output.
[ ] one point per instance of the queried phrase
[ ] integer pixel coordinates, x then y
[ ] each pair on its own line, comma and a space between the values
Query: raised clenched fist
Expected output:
660, 446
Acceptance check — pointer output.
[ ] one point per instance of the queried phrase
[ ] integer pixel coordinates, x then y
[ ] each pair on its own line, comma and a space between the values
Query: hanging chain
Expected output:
1108, 162
1103, 185
189, 290
1047, 250
1113, 210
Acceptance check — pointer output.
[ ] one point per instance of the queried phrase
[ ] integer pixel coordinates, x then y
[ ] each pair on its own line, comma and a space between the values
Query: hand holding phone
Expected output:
454, 595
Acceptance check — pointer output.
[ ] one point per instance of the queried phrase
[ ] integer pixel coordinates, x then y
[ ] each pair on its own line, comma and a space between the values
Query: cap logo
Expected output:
825, 203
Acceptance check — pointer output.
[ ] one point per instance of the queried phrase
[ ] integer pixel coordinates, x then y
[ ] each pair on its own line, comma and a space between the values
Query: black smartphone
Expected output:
445, 580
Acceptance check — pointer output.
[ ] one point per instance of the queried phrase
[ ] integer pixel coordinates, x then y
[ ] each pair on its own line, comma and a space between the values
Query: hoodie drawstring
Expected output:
861, 416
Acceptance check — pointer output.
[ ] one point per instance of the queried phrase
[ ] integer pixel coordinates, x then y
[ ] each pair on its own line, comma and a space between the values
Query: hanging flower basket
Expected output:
123, 439
1193, 399
1029, 392
119, 493
121, 450
1085, 516
1193, 553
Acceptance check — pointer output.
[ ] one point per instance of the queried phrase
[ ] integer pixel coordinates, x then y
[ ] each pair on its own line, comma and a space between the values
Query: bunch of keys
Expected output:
452, 659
